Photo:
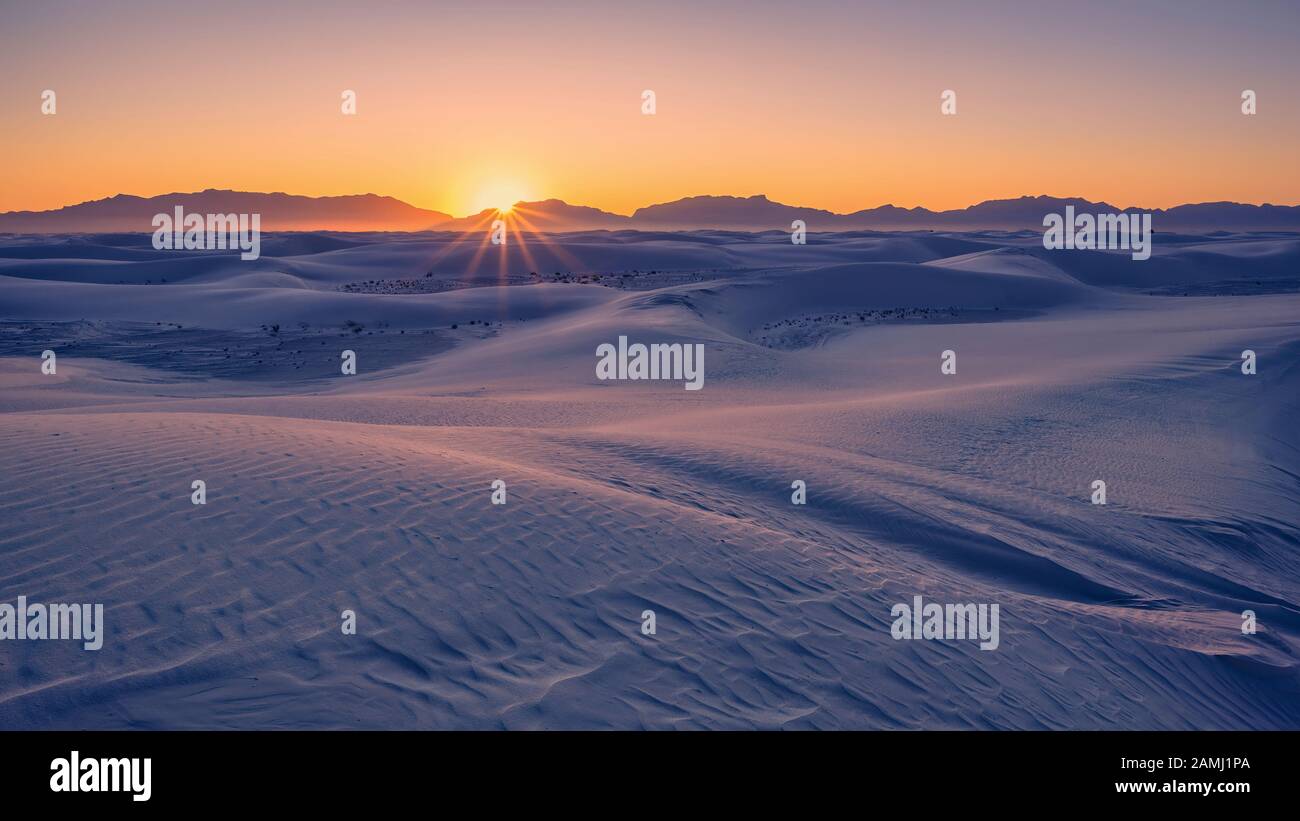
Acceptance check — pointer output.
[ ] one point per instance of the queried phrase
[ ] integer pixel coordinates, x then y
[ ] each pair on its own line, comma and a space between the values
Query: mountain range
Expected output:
280, 212
370, 212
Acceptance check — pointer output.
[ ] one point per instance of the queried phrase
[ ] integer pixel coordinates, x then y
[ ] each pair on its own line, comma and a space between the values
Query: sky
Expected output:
832, 105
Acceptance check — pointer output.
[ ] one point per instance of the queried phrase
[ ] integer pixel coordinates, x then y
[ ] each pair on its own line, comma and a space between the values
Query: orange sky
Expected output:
461, 108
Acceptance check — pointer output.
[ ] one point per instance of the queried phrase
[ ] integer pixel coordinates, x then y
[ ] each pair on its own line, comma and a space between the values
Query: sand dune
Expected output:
372, 492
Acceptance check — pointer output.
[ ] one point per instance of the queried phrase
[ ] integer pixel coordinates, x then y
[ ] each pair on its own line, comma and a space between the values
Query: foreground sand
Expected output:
372, 493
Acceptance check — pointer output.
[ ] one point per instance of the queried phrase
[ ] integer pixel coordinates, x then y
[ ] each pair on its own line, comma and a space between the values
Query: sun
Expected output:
498, 195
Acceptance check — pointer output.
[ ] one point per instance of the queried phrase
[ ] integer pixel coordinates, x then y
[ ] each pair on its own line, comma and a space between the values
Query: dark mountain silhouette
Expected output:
543, 215
743, 213
280, 212
369, 212
760, 213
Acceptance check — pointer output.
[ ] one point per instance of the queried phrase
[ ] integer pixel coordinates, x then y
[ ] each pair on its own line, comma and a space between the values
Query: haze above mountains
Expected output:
371, 212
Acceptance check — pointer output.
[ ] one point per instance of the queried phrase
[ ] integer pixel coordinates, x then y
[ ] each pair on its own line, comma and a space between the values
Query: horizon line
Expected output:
649, 205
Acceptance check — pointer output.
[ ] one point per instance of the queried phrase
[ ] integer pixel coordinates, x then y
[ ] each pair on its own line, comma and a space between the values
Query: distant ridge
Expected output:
544, 215
370, 212
280, 212
760, 213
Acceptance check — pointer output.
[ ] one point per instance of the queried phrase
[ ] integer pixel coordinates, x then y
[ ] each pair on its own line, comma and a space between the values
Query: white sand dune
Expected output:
372, 492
